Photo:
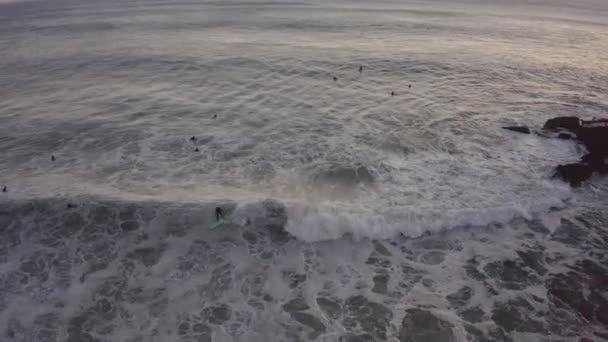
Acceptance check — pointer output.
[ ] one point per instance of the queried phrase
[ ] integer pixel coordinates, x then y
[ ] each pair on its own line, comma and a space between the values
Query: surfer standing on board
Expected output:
218, 214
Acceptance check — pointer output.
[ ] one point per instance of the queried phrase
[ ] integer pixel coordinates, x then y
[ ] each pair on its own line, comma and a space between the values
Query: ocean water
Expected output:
356, 147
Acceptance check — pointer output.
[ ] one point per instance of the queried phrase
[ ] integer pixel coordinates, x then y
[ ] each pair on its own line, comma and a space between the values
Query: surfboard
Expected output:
218, 223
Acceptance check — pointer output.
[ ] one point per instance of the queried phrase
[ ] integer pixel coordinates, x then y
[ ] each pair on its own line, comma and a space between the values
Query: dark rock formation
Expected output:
594, 135
520, 129
566, 122
574, 174
422, 325
594, 138
597, 162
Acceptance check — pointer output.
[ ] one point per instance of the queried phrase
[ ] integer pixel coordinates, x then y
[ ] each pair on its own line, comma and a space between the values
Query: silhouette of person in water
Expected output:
218, 214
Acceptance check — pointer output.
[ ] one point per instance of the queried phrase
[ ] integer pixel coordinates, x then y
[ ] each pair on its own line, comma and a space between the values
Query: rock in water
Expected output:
520, 129
566, 122
421, 325
596, 161
595, 139
574, 174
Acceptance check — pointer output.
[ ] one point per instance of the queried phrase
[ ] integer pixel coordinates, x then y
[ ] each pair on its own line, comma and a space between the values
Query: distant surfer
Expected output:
4, 189
219, 215
335, 79
361, 68
392, 93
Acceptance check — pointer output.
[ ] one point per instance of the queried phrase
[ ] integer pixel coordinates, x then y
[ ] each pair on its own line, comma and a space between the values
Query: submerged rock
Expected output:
421, 325
520, 129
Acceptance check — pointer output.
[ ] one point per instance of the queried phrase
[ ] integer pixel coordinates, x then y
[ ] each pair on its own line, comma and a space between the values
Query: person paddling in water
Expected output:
219, 215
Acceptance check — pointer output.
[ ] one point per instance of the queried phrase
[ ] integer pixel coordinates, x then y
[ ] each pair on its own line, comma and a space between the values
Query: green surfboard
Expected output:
218, 223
